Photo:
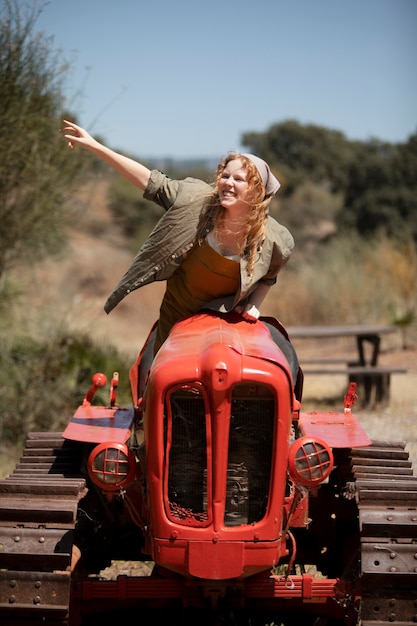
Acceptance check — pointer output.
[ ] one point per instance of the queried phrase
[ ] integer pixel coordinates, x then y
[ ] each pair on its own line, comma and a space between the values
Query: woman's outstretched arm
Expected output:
133, 171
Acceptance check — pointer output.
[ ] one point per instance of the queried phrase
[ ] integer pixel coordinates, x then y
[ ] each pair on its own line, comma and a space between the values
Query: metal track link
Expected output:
386, 493
38, 512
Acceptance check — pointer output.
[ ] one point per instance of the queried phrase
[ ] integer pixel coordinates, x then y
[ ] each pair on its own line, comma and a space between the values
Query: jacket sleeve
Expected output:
171, 237
169, 193
282, 247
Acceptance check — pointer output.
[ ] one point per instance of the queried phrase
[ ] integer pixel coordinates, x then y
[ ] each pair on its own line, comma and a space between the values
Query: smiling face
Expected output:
233, 186
239, 184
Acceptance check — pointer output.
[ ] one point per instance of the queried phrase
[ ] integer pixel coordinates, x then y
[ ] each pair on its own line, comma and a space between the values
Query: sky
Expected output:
186, 79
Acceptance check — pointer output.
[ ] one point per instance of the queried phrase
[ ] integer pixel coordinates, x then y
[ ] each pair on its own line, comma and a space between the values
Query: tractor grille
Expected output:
249, 455
187, 490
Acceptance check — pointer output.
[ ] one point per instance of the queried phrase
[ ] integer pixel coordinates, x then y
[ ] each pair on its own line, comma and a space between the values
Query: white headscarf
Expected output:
271, 183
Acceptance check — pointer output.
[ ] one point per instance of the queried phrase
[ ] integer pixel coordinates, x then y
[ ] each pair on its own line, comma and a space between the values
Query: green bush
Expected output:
43, 381
36, 175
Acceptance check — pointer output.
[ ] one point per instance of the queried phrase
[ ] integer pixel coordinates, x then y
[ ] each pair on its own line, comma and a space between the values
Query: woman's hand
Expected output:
133, 171
74, 134
249, 312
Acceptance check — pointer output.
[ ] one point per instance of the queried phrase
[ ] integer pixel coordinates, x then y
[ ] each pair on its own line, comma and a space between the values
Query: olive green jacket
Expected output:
175, 234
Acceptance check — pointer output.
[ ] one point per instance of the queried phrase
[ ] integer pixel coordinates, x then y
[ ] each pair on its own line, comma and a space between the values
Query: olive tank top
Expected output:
203, 276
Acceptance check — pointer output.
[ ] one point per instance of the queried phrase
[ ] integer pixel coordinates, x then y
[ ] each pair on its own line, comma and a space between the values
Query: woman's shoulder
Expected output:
280, 235
273, 226
166, 191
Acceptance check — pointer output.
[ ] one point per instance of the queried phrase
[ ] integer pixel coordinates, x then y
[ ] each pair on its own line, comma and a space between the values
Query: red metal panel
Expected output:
97, 424
220, 560
223, 560
339, 430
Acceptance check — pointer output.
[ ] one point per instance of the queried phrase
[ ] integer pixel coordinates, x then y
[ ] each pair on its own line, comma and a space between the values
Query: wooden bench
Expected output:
370, 378
329, 360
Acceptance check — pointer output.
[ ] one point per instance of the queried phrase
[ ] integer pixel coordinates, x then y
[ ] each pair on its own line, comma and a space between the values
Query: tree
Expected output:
381, 196
35, 171
377, 179
302, 153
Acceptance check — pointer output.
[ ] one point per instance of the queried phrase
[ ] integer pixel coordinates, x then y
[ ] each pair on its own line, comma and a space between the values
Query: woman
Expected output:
216, 245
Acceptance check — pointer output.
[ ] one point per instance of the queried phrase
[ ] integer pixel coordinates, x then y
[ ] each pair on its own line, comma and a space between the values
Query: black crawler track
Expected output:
386, 494
38, 512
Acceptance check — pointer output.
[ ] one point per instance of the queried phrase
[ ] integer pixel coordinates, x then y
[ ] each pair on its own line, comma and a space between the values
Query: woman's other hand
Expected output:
249, 312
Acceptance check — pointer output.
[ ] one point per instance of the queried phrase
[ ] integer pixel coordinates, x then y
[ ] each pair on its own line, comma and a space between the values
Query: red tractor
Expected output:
234, 506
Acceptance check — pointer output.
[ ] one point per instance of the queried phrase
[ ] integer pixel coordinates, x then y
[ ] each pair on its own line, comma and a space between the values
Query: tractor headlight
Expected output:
310, 461
111, 466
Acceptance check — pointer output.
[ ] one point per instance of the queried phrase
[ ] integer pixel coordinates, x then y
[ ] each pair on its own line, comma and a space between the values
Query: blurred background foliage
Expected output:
351, 206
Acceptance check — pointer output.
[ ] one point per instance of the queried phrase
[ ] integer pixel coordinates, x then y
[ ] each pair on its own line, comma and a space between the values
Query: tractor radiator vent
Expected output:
251, 435
186, 445
250, 454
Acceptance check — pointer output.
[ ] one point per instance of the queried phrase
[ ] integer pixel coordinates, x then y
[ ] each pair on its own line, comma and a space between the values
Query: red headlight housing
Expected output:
111, 466
310, 461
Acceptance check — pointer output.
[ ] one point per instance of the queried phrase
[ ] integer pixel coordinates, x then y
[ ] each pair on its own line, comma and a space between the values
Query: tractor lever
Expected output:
350, 398
98, 380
